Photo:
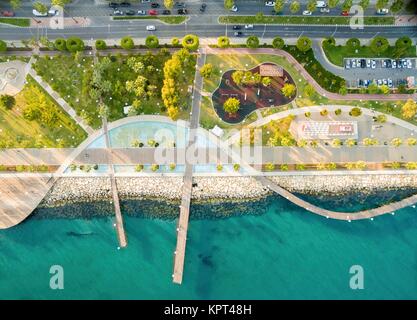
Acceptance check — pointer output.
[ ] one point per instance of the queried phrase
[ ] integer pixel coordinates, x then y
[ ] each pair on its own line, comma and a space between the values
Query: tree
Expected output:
347, 4
40, 7
169, 4
288, 90
127, 43
252, 42
278, 43
309, 90
266, 81
303, 44
101, 44
60, 44
379, 45
206, 70
295, 7
373, 88
364, 4
279, 5
311, 5
152, 42
223, 42
60, 3
380, 4
343, 90
384, 89
231, 105
175, 41
333, 3
228, 4
396, 142
355, 112
397, 5
3, 46
15, 4
75, 44
237, 77
403, 43
7, 102
409, 109
190, 42
352, 44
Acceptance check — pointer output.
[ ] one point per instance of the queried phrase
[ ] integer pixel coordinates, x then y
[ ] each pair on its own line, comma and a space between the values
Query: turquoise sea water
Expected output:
274, 250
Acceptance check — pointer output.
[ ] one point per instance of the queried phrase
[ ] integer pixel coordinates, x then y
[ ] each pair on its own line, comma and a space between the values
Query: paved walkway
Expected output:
365, 214
299, 68
64, 105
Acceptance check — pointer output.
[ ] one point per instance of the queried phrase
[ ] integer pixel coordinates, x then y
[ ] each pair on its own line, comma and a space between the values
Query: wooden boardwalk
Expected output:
20, 196
348, 216
182, 225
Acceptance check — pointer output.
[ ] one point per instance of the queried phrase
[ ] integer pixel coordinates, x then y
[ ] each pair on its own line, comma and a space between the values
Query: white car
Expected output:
409, 64
321, 4
382, 11
306, 13
150, 28
270, 3
36, 13
53, 12
324, 10
141, 12
234, 8
248, 26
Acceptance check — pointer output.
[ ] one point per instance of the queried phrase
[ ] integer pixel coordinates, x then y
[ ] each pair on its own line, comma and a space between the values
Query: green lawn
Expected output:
21, 22
303, 20
335, 54
72, 80
224, 62
166, 19
17, 132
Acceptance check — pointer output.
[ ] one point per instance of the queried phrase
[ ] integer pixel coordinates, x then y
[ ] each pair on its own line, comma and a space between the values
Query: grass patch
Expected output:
166, 19
303, 20
20, 22
336, 54
18, 132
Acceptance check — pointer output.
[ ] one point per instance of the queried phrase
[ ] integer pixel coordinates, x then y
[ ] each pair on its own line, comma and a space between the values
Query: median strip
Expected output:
169, 20
19, 22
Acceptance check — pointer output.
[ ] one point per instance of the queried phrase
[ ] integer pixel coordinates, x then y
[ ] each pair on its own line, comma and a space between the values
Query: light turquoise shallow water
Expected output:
284, 253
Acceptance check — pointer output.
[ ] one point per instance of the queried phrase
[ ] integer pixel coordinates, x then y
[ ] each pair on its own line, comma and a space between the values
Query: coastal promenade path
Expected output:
348, 216
182, 226
300, 68
20, 196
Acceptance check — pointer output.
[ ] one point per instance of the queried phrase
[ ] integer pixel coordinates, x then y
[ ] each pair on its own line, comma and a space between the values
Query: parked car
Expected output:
130, 12
113, 5
179, 4
360, 83
153, 12
36, 13
235, 27
141, 12
324, 10
249, 26
404, 63
238, 33
388, 63
321, 4
53, 12
117, 12
353, 63
394, 64
306, 13
373, 64
166, 12
384, 81
379, 82
7, 13
409, 64
203, 7
368, 63
363, 63
182, 11
382, 11
155, 5
358, 62
125, 4
345, 13
389, 83
347, 63
234, 8
270, 3
150, 28
399, 64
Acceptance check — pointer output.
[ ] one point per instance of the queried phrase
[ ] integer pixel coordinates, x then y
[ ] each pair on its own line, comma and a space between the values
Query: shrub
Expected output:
403, 42
355, 112
206, 70
304, 44
338, 112
379, 45
330, 41
219, 167
7, 102
101, 44
172, 166
278, 43
283, 167
223, 42
324, 112
269, 166
75, 44
3, 46
127, 43
353, 44
236, 166
139, 168
190, 42
60, 44
155, 167
175, 41
252, 42
152, 42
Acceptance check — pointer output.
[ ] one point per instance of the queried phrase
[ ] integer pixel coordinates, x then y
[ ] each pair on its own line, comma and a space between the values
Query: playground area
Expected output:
252, 94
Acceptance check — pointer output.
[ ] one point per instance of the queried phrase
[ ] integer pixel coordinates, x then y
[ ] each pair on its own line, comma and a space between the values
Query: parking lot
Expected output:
360, 72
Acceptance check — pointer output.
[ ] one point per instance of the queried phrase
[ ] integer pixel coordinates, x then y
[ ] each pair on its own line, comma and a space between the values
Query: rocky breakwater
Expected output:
342, 184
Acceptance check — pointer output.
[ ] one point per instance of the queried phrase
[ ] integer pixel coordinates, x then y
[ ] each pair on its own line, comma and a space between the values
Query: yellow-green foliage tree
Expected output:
231, 105
288, 90
409, 109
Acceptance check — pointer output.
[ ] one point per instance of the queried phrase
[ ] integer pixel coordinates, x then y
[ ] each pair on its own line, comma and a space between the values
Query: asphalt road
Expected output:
108, 29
